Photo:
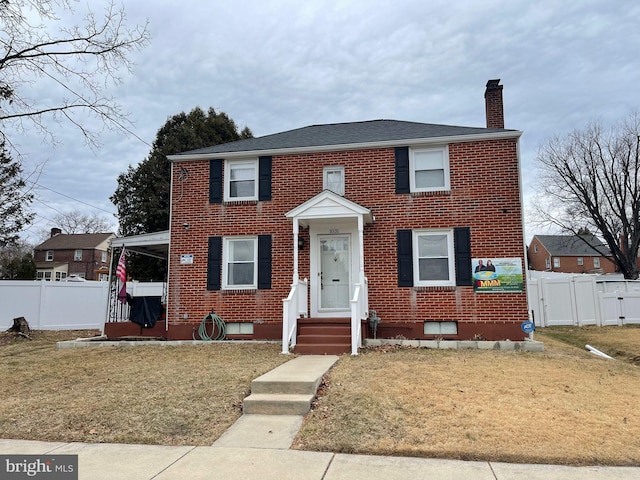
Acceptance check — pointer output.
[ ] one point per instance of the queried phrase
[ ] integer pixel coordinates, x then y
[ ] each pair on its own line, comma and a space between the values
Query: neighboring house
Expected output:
378, 215
569, 254
80, 255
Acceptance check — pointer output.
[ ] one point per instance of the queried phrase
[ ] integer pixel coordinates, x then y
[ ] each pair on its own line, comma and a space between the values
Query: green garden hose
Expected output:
217, 326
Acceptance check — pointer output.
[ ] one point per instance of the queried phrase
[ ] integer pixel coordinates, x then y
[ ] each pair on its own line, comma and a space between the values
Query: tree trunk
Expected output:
20, 327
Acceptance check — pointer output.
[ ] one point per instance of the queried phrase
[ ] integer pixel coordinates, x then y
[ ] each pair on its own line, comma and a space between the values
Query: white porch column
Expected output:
361, 245
296, 228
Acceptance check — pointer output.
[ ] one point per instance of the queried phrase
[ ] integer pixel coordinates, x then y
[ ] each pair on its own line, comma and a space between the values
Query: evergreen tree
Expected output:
142, 195
15, 198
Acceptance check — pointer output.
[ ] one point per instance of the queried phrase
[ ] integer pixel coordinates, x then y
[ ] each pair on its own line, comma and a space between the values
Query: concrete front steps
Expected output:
323, 336
290, 388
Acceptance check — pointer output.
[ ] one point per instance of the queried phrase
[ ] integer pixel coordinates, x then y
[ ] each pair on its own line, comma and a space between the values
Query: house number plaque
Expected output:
334, 231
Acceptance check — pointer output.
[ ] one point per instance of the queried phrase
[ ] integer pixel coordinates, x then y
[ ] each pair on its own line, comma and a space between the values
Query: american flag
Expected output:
121, 275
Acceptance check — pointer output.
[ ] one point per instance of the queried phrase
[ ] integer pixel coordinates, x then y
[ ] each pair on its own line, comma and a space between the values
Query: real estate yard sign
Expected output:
497, 275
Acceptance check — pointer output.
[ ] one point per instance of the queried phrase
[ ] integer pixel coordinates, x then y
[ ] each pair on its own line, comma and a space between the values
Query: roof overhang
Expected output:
149, 244
351, 146
329, 206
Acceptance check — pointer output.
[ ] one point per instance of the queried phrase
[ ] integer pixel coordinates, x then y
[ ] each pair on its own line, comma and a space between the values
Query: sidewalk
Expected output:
146, 462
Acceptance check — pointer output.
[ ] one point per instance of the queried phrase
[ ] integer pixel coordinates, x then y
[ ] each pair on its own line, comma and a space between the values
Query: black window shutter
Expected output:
264, 178
405, 258
215, 181
402, 170
214, 262
462, 246
264, 261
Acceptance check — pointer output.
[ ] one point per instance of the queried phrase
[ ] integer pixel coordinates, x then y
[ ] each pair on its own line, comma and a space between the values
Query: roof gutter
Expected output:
350, 146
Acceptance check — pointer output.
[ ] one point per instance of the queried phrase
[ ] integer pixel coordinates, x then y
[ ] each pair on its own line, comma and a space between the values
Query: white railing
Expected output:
359, 312
294, 306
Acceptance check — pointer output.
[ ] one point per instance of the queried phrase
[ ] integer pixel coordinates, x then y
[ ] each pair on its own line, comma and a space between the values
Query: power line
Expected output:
70, 198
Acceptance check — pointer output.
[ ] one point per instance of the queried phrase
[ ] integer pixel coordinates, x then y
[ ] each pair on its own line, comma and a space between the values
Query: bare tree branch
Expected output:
76, 64
591, 179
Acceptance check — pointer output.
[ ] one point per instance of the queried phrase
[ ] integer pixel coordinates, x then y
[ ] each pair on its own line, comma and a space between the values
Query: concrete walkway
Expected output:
147, 462
257, 447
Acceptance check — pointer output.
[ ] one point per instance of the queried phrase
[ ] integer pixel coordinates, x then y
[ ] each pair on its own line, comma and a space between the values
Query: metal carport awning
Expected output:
150, 244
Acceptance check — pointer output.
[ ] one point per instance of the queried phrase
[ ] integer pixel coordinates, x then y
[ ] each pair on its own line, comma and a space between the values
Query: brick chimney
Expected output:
55, 231
493, 104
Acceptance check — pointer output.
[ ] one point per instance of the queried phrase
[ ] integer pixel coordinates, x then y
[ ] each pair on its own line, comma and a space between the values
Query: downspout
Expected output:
166, 316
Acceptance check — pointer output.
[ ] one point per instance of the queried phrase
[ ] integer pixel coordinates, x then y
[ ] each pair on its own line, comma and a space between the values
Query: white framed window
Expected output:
42, 275
333, 179
433, 258
535, 249
429, 169
547, 262
556, 262
241, 180
103, 258
580, 261
77, 255
440, 328
596, 262
49, 257
240, 263
60, 276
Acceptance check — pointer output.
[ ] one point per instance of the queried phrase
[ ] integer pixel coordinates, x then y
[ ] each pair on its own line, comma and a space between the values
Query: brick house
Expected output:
569, 254
300, 235
81, 255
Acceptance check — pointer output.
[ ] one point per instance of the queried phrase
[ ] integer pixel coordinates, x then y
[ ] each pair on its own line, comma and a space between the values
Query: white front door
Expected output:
335, 272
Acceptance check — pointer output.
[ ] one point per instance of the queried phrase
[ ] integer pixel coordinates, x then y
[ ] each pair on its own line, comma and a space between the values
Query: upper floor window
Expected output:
556, 262
333, 179
103, 258
77, 255
547, 262
241, 180
429, 169
596, 262
433, 258
49, 257
580, 261
535, 249
240, 259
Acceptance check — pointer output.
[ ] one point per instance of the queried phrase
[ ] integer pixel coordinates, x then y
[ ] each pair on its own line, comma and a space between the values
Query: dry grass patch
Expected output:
619, 342
564, 406
154, 394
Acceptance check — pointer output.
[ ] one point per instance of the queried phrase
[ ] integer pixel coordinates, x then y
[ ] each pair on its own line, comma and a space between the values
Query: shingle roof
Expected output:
573, 245
74, 241
346, 134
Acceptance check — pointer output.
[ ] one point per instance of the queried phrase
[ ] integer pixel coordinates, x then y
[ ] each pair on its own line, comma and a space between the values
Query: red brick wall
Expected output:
484, 196
91, 260
537, 261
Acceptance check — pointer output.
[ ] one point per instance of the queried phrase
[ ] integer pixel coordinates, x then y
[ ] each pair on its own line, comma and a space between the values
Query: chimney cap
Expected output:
494, 84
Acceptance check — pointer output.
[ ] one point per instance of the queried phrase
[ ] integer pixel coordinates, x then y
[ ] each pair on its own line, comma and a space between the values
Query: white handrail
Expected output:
292, 307
359, 311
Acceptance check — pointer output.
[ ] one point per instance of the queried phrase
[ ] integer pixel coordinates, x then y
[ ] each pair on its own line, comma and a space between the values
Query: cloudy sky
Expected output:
276, 65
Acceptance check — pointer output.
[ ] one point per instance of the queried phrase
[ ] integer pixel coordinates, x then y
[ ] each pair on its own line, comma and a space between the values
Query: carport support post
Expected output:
106, 317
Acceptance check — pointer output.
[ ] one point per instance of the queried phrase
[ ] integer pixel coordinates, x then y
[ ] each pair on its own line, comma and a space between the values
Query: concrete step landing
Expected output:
290, 388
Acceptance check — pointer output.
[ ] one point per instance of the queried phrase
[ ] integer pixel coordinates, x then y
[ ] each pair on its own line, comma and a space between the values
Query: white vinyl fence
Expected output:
62, 305
559, 299
54, 305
